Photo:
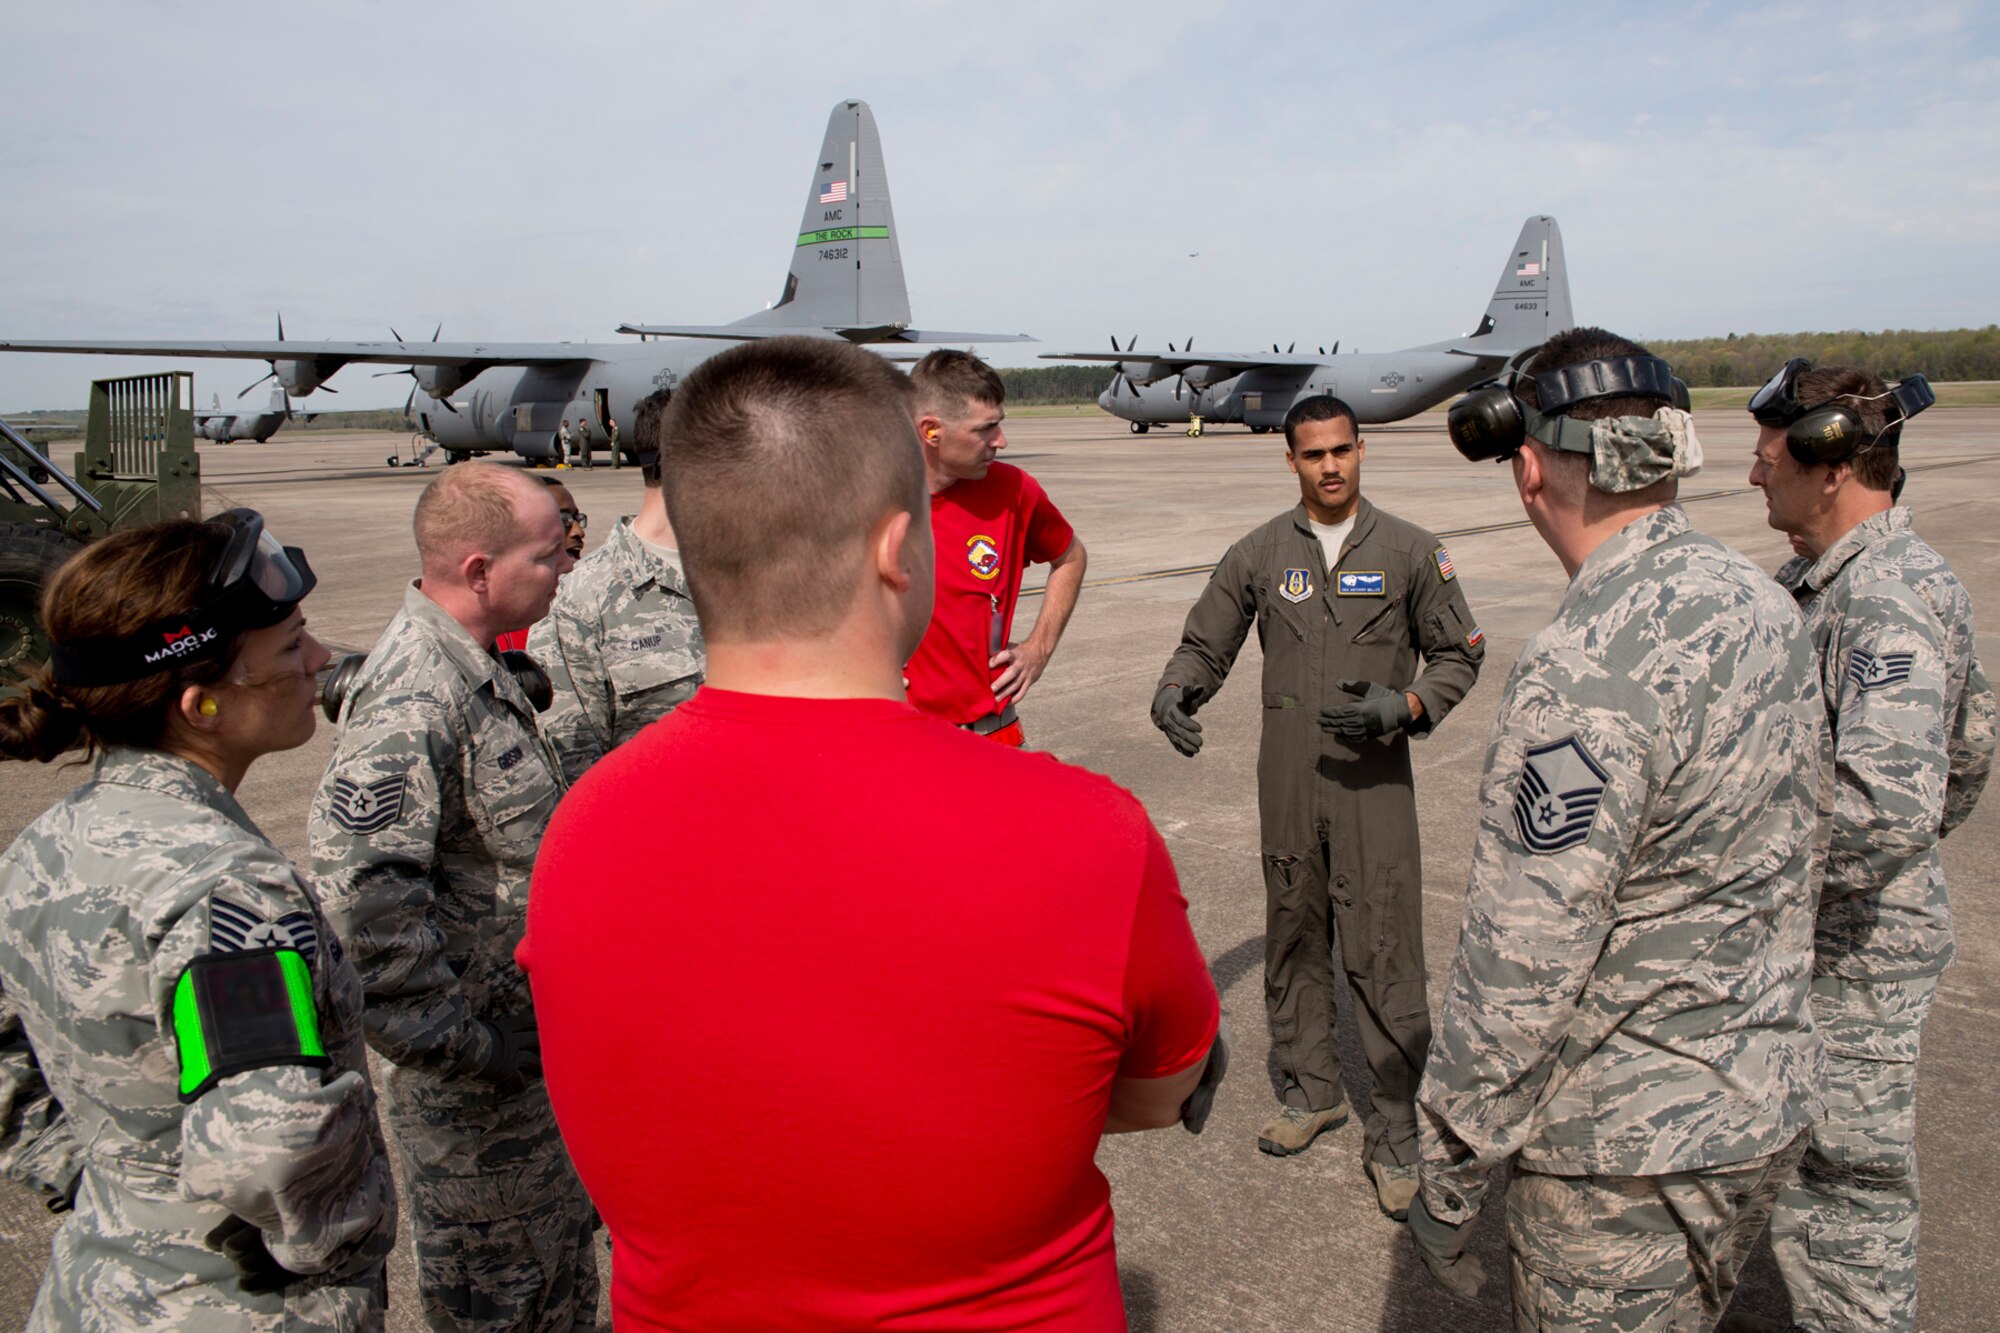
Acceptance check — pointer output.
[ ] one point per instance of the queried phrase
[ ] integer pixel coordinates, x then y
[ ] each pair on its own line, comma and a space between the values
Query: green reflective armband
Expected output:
244, 1010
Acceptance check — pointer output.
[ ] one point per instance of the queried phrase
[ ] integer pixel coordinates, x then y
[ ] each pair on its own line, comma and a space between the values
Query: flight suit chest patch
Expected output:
1295, 585
1361, 583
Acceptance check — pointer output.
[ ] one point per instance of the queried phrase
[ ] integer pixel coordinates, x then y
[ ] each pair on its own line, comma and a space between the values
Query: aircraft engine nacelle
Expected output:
442, 382
1144, 372
302, 377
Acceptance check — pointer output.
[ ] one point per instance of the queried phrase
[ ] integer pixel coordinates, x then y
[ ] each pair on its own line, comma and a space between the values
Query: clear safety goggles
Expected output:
256, 582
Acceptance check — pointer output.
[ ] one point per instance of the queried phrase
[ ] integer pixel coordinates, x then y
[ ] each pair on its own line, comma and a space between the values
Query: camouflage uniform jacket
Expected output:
622, 647
1913, 737
423, 835
104, 902
1629, 996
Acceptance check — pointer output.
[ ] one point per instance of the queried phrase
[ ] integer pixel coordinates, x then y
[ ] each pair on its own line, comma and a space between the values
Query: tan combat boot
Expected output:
1293, 1128
1395, 1186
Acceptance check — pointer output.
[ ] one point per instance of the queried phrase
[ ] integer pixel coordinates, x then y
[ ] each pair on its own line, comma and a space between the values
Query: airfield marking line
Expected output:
1181, 571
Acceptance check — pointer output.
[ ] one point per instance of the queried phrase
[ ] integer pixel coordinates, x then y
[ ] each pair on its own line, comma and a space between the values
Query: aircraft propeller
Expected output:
273, 375
1181, 379
1120, 377
411, 401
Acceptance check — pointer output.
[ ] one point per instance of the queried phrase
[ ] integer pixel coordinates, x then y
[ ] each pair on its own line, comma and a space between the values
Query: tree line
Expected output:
1751, 358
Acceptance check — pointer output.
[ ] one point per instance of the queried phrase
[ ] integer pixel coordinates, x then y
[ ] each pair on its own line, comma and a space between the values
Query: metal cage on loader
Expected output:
138, 465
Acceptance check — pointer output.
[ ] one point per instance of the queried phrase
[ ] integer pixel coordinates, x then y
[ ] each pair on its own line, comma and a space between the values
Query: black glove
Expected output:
1194, 1111
1442, 1248
1381, 711
1173, 713
517, 1052
242, 1244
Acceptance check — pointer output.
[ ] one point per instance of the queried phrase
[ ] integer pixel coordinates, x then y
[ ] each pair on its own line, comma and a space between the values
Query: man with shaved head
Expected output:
423, 835
836, 999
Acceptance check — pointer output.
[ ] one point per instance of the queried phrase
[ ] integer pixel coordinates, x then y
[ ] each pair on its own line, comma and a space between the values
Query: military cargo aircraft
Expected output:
845, 281
213, 423
1530, 305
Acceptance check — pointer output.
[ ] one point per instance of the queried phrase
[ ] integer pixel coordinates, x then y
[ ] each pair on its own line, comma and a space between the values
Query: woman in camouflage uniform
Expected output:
168, 975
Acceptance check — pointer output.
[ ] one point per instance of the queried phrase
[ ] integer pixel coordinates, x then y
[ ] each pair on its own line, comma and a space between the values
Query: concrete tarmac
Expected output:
1211, 1233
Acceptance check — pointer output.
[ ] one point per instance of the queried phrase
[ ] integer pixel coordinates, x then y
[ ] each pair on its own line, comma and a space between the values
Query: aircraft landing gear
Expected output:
1140, 427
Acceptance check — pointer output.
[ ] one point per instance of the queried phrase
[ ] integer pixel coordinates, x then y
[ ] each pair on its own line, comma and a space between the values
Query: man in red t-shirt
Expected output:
990, 521
827, 1051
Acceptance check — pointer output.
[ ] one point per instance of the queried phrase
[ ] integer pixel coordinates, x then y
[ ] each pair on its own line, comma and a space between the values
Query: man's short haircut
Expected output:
1860, 392
469, 507
645, 438
1574, 347
1319, 407
948, 378
1569, 474
785, 452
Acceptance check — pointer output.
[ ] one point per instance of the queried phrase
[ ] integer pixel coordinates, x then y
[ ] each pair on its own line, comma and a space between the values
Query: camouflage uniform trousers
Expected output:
1638, 1254
1845, 1232
502, 1226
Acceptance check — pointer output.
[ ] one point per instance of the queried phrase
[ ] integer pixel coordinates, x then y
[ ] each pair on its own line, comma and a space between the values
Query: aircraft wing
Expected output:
880, 333
383, 353
1173, 363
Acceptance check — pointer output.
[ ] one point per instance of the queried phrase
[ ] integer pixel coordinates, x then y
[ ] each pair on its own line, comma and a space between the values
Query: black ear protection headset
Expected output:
1831, 432
1491, 422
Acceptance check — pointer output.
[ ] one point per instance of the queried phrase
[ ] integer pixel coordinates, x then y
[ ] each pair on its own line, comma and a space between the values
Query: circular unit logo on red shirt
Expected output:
984, 556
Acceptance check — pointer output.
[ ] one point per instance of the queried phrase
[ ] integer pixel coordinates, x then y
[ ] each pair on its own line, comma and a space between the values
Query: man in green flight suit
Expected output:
1345, 598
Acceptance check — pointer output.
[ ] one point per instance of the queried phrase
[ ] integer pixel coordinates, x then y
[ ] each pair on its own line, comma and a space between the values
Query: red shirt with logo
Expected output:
831, 1000
987, 533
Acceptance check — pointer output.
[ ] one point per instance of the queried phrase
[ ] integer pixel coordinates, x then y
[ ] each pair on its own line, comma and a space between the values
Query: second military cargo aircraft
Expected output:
845, 281
1530, 305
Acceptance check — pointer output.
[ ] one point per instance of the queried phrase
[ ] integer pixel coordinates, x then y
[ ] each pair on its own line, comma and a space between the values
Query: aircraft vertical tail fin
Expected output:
1531, 300
847, 268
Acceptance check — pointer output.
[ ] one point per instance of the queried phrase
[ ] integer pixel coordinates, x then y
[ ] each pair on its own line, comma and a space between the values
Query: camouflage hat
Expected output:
1631, 453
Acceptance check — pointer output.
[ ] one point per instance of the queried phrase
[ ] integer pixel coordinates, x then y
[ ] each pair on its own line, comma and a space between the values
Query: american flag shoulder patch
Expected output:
1877, 671
1443, 558
1477, 637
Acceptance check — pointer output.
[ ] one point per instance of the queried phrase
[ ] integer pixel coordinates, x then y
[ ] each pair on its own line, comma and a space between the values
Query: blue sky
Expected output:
528, 171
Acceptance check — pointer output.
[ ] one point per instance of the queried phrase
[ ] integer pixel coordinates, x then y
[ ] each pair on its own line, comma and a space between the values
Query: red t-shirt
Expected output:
831, 1000
513, 638
987, 532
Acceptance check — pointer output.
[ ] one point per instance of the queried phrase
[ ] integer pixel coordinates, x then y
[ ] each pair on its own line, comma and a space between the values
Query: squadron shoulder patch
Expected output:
1557, 796
1877, 671
1295, 586
1362, 583
362, 808
234, 928
1443, 558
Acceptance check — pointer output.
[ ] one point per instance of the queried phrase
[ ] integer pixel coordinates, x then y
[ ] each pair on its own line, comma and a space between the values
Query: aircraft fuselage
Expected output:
518, 409
226, 427
1380, 386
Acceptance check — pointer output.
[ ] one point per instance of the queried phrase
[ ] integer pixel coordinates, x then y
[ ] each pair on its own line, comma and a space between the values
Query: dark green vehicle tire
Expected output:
28, 556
